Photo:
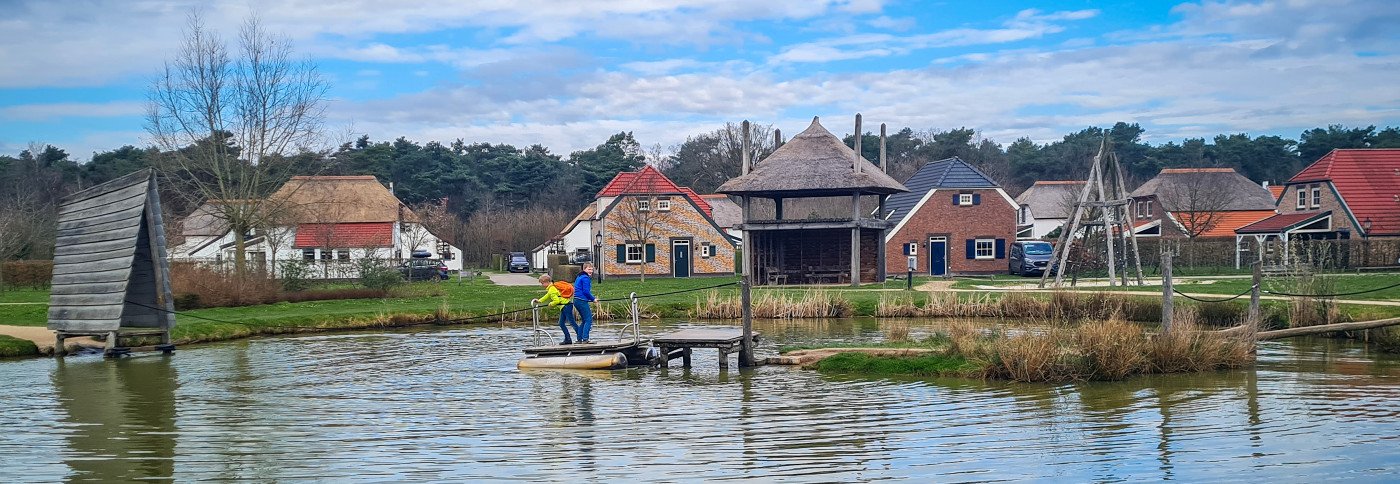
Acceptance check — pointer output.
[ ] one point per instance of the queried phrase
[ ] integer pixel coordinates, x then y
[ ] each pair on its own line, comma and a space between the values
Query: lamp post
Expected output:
598, 254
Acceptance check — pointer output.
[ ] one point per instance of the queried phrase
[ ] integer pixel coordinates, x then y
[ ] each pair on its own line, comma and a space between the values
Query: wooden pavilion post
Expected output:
746, 280
855, 212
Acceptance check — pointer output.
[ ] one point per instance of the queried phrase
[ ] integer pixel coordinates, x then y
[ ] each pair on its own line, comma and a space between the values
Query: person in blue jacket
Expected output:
583, 297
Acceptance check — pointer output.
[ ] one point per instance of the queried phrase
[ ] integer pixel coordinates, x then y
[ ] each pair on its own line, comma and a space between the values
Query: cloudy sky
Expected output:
568, 73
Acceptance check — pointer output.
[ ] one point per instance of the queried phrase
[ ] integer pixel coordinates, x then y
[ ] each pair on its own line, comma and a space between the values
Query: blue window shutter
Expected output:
1001, 248
906, 249
651, 252
977, 199
621, 253
971, 248
955, 199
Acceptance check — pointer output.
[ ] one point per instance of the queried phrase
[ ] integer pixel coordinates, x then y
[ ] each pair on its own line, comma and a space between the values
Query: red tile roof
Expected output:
649, 180
344, 236
1278, 223
1276, 190
1368, 181
1224, 223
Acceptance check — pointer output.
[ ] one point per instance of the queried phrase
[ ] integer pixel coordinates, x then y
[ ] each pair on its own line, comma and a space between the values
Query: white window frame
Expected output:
308, 255
663, 205
342, 254
964, 199
643, 205
1316, 196
1147, 209
991, 248
707, 250
913, 248
324, 255
641, 254
1302, 198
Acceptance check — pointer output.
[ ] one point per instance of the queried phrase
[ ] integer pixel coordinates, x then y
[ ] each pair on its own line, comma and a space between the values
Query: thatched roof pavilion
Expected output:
814, 164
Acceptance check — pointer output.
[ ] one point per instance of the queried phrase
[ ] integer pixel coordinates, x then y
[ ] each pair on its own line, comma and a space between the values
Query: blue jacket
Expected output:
583, 287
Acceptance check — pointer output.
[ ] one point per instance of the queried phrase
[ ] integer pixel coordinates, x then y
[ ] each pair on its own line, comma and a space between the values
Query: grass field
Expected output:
1229, 286
12, 347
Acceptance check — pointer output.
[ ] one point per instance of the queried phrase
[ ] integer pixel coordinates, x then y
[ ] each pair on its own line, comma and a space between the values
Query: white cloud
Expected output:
1027, 24
48, 112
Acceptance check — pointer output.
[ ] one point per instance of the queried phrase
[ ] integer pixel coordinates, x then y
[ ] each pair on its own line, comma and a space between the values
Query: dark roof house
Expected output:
955, 219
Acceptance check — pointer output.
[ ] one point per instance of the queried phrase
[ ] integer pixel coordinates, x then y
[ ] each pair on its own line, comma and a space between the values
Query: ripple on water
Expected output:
449, 404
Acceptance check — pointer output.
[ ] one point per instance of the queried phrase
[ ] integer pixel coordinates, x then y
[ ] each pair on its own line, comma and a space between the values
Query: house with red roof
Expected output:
1346, 194
328, 222
1198, 203
642, 222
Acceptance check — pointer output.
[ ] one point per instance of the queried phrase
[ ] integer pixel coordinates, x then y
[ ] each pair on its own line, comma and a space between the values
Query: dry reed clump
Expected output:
1310, 311
1112, 349
808, 304
1031, 357
966, 339
898, 332
198, 286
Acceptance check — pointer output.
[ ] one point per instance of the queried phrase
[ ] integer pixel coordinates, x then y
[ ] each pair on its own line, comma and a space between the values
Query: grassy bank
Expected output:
1111, 349
12, 347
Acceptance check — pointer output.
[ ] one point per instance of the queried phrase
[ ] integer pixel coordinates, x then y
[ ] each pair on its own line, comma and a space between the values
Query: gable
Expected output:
950, 173
607, 223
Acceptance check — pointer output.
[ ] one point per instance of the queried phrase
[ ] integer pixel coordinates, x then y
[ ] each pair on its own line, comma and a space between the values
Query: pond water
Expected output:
448, 404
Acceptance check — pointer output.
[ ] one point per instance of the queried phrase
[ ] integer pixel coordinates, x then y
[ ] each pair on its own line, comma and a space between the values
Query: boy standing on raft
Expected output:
583, 296
558, 295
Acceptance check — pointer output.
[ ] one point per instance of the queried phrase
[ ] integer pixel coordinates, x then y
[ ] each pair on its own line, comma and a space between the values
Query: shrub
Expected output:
378, 275
210, 287
36, 274
296, 275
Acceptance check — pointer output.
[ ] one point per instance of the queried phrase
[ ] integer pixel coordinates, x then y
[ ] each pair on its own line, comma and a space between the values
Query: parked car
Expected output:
423, 269
518, 262
1029, 257
580, 257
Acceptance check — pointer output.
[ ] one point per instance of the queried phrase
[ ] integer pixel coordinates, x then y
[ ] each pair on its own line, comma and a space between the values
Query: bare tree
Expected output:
440, 222
639, 219
1197, 200
229, 121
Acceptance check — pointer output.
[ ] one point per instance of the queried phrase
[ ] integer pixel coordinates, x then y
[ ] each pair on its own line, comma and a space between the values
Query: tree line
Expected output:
482, 177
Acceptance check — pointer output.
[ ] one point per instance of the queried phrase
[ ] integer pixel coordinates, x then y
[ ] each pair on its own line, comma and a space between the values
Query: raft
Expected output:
603, 361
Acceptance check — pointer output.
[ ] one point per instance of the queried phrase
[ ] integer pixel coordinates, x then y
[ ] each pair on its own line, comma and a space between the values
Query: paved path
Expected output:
514, 279
44, 338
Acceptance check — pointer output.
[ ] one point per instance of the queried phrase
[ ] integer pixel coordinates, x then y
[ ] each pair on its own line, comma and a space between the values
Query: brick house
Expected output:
1046, 206
1346, 194
1198, 203
642, 221
954, 220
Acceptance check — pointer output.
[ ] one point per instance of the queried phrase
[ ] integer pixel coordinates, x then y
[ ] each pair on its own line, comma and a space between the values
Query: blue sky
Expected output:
567, 74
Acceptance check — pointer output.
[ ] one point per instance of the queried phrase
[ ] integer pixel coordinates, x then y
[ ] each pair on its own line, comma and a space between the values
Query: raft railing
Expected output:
636, 323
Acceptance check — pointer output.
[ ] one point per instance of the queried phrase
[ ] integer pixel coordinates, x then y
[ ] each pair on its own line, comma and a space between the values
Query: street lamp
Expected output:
598, 254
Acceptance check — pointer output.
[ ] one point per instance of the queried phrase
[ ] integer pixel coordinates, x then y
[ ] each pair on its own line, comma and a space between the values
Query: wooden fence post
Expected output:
1166, 291
1254, 321
746, 345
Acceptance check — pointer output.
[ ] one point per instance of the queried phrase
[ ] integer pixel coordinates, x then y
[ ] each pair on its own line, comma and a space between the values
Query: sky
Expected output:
567, 74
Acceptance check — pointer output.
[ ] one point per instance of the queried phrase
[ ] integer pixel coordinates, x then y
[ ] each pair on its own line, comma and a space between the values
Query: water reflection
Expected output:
121, 415
449, 405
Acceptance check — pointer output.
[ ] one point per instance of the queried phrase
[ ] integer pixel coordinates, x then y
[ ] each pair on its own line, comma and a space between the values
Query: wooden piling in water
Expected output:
1166, 291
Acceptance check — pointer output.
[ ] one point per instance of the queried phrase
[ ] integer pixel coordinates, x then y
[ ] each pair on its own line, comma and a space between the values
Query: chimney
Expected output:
747, 166
855, 164
1265, 184
883, 167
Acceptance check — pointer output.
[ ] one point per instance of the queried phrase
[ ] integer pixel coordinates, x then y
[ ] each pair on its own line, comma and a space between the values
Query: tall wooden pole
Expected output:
855, 164
746, 279
1254, 301
1106, 213
1166, 291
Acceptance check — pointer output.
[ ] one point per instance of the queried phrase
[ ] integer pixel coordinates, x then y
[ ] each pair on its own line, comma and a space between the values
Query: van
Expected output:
1029, 257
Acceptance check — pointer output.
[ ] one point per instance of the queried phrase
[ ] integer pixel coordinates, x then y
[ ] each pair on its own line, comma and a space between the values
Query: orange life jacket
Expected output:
566, 290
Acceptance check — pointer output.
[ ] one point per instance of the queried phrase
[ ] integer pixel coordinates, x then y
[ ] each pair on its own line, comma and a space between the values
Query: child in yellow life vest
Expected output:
560, 295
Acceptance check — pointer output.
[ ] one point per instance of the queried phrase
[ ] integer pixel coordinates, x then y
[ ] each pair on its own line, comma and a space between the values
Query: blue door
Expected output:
938, 256
680, 258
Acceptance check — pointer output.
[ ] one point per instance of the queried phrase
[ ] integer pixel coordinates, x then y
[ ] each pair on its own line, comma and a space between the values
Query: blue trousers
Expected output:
566, 320
585, 312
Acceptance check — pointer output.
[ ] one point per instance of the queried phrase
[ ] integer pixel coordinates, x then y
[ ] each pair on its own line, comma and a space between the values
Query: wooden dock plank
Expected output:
701, 337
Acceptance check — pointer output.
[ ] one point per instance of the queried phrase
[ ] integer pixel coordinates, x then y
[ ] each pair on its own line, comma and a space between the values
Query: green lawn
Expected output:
1342, 283
10, 347
24, 295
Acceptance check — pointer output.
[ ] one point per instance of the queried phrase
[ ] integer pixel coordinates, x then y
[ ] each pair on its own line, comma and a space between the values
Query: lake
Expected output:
448, 404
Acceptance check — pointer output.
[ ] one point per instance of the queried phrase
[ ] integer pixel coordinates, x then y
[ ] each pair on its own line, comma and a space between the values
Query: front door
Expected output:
680, 258
938, 255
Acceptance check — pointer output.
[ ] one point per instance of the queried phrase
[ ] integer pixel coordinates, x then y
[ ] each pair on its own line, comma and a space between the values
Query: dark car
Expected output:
423, 269
518, 262
1029, 257
580, 257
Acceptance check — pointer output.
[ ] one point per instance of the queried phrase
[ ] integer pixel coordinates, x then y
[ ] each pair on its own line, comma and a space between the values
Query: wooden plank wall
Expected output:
98, 232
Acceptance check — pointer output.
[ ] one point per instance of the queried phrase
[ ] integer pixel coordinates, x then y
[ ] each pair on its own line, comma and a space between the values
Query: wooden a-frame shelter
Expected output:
110, 275
1106, 195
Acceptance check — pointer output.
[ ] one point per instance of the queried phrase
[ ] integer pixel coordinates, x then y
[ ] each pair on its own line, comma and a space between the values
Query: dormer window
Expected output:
663, 205
1316, 196
1302, 198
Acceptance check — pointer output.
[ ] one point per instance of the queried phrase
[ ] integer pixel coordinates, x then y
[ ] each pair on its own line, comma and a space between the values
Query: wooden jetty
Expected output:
633, 349
678, 344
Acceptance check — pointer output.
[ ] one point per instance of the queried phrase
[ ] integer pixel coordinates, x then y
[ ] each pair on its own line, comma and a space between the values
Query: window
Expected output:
913, 248
1302, 198
1317, 196
964, 199
706, 250
663, 205
643, 205
1146, 209
308, 254
634, 253
325, 254
1022, 217
342, 254
985, 249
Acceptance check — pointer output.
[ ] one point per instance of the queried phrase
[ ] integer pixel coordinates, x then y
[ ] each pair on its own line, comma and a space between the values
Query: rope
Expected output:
1231, 298
716, 286
178, 313
1353, 293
